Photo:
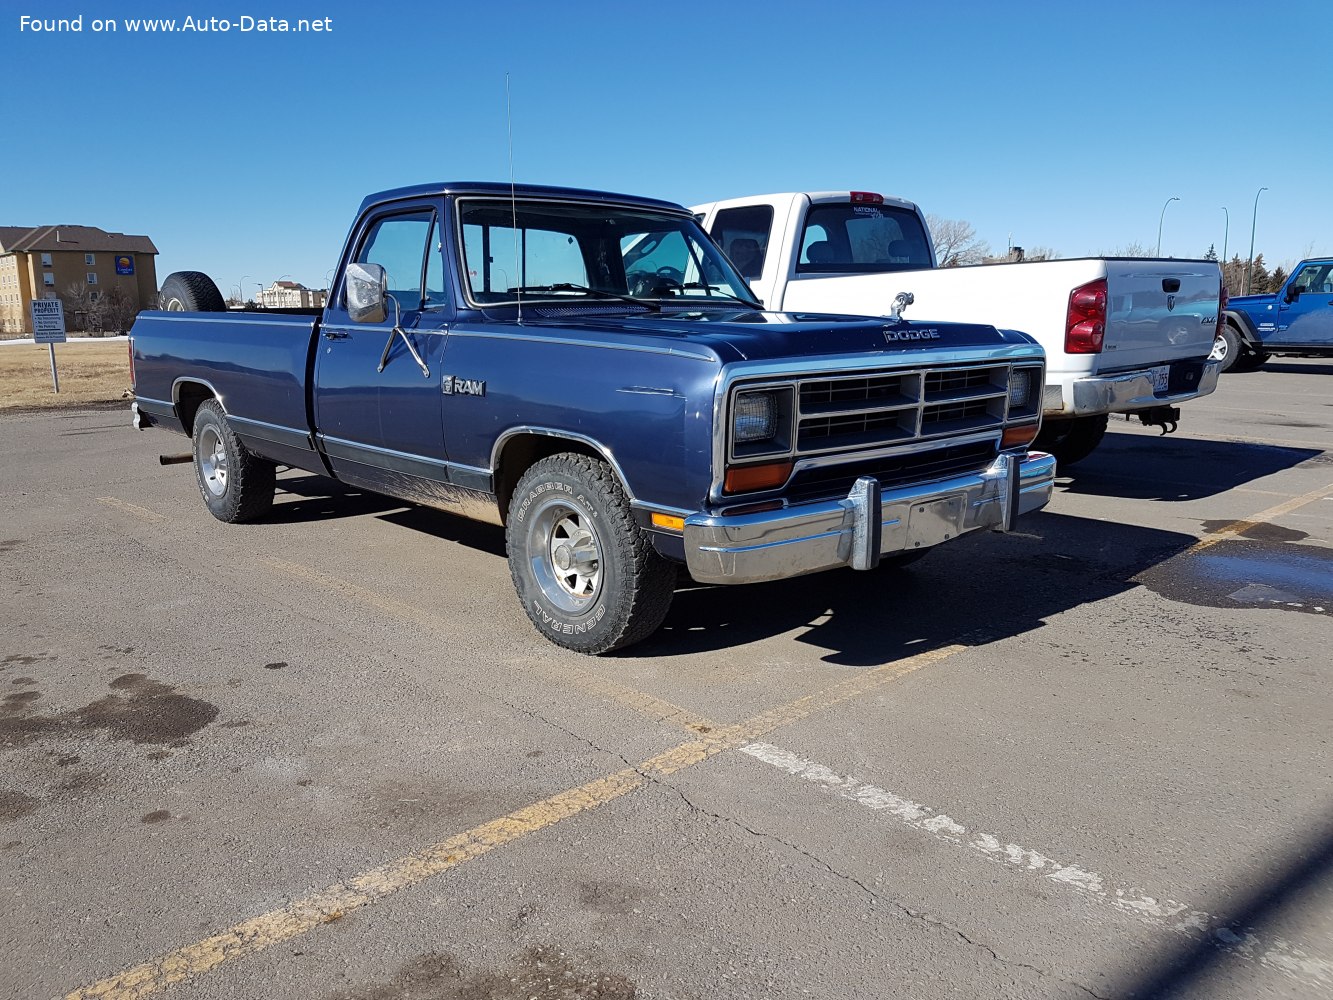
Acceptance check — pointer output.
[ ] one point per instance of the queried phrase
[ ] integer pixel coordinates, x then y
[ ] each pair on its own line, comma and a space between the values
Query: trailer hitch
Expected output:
1165, 417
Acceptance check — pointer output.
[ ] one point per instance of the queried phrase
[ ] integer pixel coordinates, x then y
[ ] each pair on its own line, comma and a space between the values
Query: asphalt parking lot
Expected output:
326, 756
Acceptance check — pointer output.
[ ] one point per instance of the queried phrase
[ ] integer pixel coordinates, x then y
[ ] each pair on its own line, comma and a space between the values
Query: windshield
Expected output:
862, 239
563, 251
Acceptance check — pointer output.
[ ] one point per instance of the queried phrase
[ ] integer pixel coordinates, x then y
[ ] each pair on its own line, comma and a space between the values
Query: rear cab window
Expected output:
842, 238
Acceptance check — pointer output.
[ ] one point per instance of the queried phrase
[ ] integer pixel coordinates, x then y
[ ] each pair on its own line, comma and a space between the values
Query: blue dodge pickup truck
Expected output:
590, 371
1296, 321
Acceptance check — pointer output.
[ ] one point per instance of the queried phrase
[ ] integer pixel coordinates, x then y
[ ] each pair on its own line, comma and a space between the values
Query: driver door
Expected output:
377, 409
1309, 318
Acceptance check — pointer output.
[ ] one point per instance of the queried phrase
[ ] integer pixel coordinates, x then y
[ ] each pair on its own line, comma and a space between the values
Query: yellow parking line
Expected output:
303, 915
126, 507
1236, 528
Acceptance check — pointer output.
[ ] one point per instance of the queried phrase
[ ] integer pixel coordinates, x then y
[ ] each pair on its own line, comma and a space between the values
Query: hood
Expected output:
750, 335
1250, 300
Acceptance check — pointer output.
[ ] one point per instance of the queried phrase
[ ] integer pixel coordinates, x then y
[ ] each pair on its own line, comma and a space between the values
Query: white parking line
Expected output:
1275, 953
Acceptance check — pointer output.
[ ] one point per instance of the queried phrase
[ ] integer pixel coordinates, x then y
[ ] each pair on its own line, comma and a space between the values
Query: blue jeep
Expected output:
1296, 321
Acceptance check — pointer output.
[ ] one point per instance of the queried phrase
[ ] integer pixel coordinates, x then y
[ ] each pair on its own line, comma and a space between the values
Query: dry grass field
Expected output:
90, 372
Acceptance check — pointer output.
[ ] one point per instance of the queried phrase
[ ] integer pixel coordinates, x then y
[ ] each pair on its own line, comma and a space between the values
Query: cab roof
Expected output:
500, 189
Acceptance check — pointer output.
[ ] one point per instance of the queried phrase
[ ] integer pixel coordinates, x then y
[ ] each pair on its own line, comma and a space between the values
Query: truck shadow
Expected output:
975, 590
307, 497
1293, 367
1139, 467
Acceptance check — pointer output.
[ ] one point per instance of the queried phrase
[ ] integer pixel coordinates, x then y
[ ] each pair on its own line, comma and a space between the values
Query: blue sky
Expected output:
1066, 125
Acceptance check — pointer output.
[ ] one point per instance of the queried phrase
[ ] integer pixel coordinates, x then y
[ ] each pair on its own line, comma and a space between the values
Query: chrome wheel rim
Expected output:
175, 305
565, 553
213, 461
1219, 352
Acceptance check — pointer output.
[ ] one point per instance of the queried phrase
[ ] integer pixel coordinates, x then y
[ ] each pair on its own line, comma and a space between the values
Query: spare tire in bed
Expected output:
191, 291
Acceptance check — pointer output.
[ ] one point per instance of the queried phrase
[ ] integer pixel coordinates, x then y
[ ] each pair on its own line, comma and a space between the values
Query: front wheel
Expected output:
585, 573
236, 485
1071, 440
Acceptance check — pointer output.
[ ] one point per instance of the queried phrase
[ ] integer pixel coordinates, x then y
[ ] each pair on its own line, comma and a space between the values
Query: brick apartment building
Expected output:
45, 262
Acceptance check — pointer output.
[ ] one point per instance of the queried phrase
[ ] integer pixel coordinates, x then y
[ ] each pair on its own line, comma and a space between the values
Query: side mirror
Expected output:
367, 286
1293, 293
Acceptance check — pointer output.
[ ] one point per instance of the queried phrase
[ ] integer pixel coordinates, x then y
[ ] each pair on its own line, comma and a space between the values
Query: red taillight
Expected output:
1085, 322
1222, 299
867, 198
133, 381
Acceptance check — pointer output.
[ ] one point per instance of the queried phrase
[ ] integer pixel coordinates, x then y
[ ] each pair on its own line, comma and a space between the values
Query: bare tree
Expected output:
118, 310
1134, 249
82, 308
956, 242
1041, 253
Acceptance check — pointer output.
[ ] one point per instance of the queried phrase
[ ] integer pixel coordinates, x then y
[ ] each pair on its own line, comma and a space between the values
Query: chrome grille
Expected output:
848, 412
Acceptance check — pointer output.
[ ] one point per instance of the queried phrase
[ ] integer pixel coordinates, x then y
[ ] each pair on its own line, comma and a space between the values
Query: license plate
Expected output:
1161, 378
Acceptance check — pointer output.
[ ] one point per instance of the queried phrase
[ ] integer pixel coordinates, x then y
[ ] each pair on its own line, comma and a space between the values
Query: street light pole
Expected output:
1160, 220
1225, 233
241, 286
1249, 268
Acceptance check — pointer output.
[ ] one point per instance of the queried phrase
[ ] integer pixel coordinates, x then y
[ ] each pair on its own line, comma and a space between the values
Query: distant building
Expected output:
46, 262
292, 295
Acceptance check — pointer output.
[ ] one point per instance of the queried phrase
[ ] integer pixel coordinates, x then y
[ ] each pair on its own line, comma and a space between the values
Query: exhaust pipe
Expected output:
175, 459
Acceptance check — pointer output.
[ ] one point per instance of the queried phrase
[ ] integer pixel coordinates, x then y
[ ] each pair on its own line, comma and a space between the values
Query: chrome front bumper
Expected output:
808, 538
1130, 391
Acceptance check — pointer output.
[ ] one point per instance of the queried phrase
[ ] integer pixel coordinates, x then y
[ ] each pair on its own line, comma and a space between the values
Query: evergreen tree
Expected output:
1233, 275
1277, 279
1212, 252
1258, 274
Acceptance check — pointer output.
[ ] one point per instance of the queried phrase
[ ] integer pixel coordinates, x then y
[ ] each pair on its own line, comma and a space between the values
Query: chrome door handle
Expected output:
336, 334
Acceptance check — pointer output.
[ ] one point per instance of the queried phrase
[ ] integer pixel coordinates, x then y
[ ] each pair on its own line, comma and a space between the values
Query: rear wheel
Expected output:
191, 291
1226, 347
236, 485
585, 573
1071, 440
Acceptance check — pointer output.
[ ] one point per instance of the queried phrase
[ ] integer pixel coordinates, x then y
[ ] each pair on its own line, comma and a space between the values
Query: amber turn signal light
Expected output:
669, 521
748, 478
1014, 437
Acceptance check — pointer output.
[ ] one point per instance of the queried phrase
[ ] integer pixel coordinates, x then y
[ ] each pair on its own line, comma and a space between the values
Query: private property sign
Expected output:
48, 321
48, 327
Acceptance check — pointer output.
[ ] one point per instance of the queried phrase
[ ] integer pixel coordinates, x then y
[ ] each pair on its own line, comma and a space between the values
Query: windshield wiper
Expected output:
721, 294
568, 286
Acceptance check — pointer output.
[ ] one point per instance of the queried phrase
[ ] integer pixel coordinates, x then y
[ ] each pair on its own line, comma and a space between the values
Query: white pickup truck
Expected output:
1122, 335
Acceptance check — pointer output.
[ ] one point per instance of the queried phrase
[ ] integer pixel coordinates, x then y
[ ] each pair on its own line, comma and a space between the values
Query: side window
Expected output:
398, 244
743, 235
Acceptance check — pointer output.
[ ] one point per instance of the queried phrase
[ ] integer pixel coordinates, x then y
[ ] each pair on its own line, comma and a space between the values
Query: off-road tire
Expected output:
565, 510
236, 485
1071, 440
1227, 347
190, 291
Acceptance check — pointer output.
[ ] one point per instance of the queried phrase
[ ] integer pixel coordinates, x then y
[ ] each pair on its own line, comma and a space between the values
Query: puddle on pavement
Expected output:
139, 710
1248, 573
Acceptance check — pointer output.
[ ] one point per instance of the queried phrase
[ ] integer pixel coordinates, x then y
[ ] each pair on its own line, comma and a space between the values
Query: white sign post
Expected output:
48, 327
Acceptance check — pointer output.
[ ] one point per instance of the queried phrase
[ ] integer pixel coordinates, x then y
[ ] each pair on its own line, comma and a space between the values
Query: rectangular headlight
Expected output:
755, 417
1020, 388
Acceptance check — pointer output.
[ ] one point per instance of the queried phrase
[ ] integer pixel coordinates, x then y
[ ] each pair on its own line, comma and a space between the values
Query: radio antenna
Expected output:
513, 203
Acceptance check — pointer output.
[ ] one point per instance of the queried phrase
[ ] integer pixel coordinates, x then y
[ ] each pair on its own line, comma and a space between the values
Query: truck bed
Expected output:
256, 364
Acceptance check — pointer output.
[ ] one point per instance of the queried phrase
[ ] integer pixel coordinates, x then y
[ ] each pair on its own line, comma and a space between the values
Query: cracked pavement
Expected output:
201, 723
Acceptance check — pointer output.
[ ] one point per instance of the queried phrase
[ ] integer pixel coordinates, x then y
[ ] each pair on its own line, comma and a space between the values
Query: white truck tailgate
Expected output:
1158, 311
